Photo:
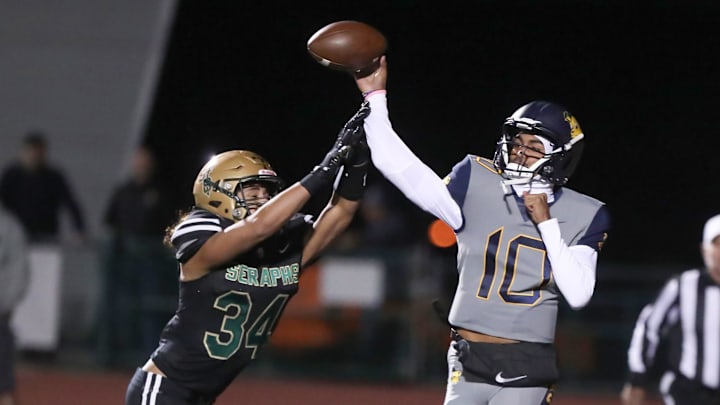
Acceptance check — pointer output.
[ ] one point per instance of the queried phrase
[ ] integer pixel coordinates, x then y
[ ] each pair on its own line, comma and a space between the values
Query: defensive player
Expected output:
523, 240
241, 251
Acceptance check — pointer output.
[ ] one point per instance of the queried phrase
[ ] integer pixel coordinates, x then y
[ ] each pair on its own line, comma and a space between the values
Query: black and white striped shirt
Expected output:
684, 320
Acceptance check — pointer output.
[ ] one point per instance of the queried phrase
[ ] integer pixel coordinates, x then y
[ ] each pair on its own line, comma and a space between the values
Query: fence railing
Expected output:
378, 322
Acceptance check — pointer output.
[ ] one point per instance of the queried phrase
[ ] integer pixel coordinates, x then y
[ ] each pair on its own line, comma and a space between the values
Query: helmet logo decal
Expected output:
574, 125
206, 182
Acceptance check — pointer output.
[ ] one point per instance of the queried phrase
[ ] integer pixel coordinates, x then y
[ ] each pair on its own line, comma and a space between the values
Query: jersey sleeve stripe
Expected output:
196, 220
194, 228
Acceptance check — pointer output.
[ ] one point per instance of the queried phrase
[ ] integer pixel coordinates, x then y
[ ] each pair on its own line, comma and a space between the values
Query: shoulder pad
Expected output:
486, 163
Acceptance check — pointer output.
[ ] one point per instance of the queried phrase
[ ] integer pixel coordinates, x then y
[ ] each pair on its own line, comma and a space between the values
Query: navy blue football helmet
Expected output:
552, 122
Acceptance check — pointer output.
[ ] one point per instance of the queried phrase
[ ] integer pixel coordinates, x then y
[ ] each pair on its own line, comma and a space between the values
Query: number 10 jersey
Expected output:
506, 285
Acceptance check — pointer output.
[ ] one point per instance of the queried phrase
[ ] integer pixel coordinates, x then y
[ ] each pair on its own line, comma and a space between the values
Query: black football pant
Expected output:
152, 389
678, 390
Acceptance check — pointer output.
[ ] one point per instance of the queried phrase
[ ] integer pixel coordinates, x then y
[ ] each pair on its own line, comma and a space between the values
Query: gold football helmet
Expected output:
218, 187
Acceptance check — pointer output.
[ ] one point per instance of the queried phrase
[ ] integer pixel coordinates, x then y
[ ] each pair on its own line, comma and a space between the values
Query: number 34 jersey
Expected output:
506, 285
225, 317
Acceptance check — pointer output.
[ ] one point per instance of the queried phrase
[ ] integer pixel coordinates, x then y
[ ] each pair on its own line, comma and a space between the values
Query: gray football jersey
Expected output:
506, 287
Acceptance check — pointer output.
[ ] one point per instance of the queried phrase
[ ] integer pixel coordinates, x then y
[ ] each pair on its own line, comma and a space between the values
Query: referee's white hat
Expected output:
712, 229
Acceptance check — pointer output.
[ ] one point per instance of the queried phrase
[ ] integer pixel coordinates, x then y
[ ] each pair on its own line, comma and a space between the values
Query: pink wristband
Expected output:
371, 92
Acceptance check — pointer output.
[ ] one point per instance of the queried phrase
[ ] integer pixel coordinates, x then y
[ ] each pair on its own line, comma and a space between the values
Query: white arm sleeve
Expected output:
573, 267
406, 171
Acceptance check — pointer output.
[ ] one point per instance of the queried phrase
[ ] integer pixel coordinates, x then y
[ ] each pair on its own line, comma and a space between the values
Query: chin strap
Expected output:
508, 184
533, 185
521, 175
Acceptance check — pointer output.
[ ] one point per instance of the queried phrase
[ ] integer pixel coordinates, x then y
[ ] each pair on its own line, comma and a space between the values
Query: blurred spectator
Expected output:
382, 231
13, 284
35, 192
139, 272
385, 225
386, 230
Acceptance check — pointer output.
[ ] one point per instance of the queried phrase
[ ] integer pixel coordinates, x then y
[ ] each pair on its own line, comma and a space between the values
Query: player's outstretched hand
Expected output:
351, 185
350, 132
359, 155
324, 173
347, 138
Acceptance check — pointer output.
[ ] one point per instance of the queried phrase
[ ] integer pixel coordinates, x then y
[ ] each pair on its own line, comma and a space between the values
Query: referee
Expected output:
683, 323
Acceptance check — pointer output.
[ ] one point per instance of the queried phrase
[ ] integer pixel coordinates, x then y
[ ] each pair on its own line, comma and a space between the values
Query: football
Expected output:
350, 46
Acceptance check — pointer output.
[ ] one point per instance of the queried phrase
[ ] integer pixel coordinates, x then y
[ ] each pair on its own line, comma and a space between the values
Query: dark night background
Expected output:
640, 76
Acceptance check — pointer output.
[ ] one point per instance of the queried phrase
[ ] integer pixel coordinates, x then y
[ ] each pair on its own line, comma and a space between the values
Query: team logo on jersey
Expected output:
574, 125
264, 276
549, 395
602, 242
455, 376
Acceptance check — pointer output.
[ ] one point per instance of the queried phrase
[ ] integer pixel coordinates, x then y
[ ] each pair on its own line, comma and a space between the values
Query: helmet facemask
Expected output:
244, 205
562, 150
518, 173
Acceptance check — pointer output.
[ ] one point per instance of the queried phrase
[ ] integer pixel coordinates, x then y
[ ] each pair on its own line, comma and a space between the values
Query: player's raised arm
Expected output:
345, 201
394, 159
358, 49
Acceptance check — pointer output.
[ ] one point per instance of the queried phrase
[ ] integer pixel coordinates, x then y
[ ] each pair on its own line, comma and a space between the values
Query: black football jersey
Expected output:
225, 317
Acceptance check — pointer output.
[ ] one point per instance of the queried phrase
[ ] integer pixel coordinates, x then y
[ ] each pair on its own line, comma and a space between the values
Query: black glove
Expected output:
352, 182
351, 133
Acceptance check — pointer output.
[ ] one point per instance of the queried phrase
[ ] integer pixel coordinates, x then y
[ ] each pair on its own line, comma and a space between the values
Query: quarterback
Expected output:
524, 240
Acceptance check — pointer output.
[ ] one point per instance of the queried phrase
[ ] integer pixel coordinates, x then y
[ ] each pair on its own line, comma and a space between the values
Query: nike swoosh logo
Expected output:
284, 249
502, 380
